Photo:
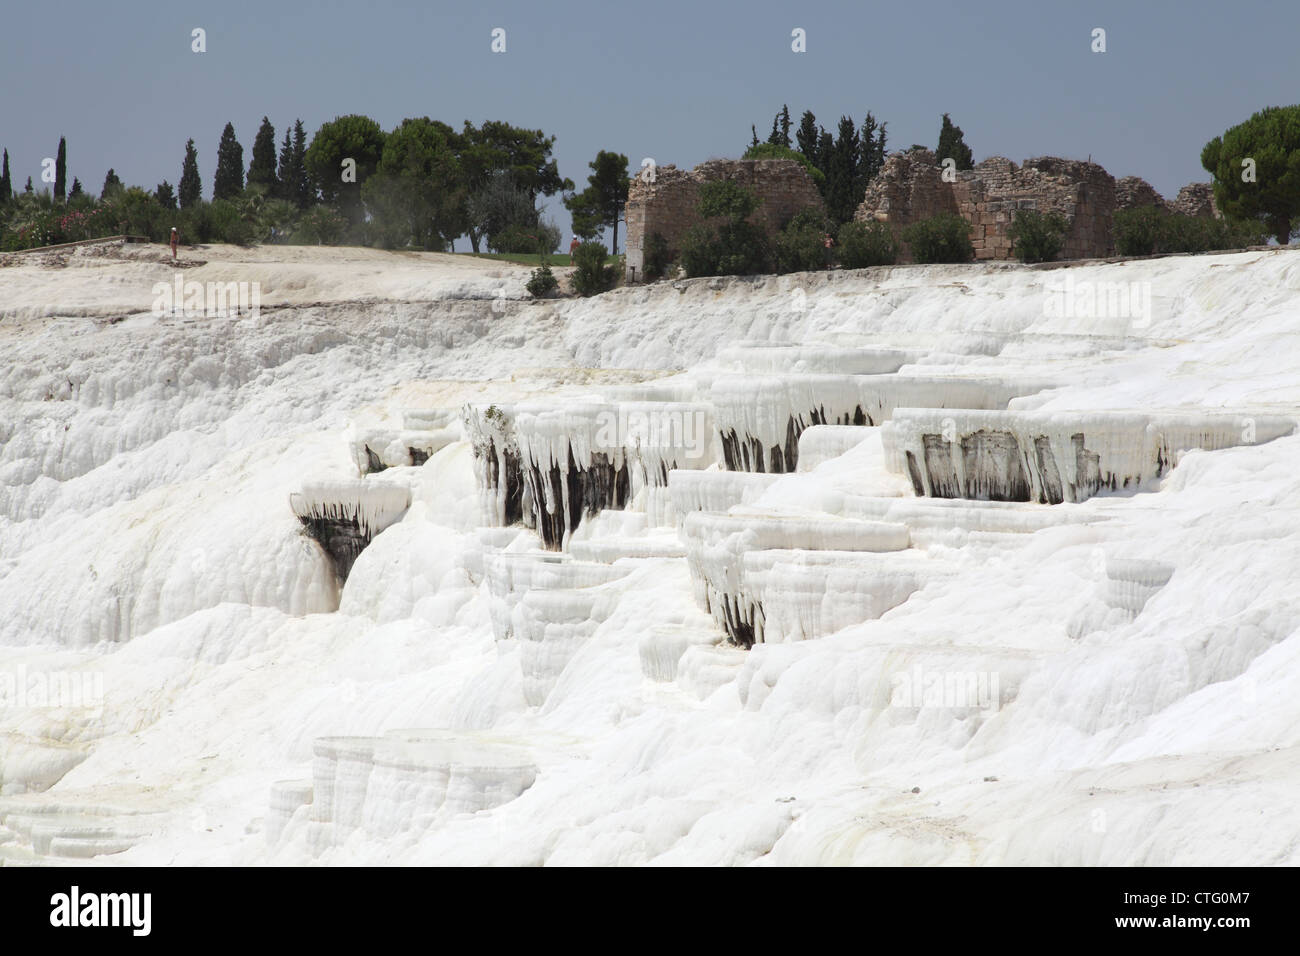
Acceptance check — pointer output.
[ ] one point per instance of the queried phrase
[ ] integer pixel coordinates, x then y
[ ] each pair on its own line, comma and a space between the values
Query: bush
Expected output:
864, 244
541, 283
700, 253
592, 276
1038, 237
801, 245
726, 197
655, 256
943, 238
778, 151
319, 225
1149, 230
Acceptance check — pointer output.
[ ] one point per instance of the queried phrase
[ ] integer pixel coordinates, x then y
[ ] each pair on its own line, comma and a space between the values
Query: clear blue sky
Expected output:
677, 81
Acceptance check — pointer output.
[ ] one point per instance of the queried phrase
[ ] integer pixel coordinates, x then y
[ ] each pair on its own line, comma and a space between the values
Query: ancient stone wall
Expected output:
911, 187
665, 202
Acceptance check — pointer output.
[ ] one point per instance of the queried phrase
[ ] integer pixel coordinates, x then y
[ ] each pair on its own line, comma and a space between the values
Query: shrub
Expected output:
778, 151
514, 238
1037, 237
942, 238
655, 256
592, 276
699, 253
320, 225
801, 245
864, 244
542, 282
726, 197
1149, 230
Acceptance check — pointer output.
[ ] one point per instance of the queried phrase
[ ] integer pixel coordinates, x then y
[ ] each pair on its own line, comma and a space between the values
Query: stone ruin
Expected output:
663, 200
911, 187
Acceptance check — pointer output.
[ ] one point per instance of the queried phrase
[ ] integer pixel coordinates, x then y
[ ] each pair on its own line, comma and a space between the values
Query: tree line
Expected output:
422, 184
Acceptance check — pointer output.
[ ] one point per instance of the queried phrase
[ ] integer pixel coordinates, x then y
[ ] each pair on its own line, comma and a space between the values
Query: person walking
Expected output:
175, 241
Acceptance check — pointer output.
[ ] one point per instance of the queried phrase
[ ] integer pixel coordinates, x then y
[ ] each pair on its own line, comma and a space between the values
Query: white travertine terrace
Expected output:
1050, 457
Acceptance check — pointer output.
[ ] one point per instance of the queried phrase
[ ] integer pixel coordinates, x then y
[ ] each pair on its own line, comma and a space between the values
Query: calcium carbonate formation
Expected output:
344, 516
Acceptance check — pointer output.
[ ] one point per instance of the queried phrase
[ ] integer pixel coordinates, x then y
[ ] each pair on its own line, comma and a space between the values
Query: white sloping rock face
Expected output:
1108, 680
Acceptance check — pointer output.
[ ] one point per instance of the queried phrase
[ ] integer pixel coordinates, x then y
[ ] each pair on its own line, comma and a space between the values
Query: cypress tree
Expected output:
951, 145
304, 192
785, 125
76, 188
165, 195
6, 183
111, 184
261, 171
284, 174
28, 188
61, 170
842, 173
228, 180
774, 137
806, 136
191, 187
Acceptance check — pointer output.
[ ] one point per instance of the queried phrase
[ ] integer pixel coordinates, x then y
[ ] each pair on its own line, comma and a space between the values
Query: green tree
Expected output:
296, 184
952, 146
419, 190
353, 137
806, 136
76, 189
1267, 188
6, 182
842, 173
524, 153
165, 195
871, 160
111, 185
501, 205
261, 171
61, 170
228, 180
605, 197
190, 190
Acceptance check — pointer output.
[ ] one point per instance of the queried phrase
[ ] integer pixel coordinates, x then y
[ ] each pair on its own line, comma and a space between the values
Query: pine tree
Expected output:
111, 184
6, 182
61, 170
261, 171
190, 190
774, 137
165, 195
228, 180
76, 190
304, 191
785, 125
951, 145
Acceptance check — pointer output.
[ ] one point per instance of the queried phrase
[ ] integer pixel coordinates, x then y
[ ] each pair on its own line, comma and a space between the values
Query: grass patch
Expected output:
552, 259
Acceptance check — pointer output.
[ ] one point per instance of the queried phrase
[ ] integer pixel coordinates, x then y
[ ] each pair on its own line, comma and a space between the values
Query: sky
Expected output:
678, 82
